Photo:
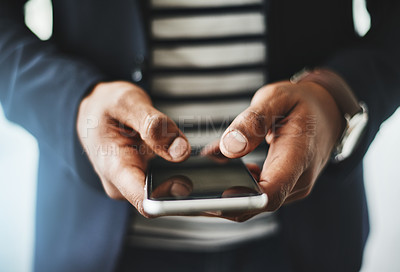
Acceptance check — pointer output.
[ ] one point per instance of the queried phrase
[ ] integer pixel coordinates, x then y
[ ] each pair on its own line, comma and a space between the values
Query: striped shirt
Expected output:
208, 57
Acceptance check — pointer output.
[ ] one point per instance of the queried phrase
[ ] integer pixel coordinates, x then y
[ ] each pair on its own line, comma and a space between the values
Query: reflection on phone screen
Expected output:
198, 178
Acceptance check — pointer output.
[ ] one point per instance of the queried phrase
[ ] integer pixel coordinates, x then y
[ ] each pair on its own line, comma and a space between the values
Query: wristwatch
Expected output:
354, 112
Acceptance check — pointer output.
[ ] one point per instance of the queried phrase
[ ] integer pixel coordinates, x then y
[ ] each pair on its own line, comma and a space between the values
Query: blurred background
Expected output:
19, 156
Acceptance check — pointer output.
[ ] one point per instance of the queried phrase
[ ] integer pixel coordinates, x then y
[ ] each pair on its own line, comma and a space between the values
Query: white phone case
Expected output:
195, 206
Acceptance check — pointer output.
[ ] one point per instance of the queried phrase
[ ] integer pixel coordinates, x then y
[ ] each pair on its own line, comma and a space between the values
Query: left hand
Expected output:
301, 123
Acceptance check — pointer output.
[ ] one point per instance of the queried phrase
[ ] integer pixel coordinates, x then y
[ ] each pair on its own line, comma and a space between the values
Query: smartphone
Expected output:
200, 184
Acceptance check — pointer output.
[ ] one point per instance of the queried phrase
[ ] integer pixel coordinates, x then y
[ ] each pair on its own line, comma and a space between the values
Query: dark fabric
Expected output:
261, 255
42, 83
77, 228
327, 231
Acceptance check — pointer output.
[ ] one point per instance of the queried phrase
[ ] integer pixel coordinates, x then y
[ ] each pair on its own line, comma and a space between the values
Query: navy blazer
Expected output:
78, 228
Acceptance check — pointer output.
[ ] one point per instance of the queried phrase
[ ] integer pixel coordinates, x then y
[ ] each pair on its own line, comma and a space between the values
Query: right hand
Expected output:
120, 130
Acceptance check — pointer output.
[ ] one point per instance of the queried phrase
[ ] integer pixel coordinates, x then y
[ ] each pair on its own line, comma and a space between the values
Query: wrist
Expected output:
337, 87
353, 112
330, 112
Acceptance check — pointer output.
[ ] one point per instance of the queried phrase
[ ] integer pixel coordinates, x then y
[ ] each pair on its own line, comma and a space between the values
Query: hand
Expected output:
301, 123
120, 130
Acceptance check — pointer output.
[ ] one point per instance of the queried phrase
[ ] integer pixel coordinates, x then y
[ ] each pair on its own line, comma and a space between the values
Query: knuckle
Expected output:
277, 199
302, 193
123, 98
281, 91
253, 122
111, 191
154, 125
114, 194
274, 204
274, 100
306, 191
137, 202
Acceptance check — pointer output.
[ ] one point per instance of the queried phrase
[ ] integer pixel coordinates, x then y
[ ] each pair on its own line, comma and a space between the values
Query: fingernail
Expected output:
178, 148
234, 142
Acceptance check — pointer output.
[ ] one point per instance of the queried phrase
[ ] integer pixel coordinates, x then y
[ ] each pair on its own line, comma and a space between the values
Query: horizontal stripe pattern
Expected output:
198, 233
210, 56
207, 48
200, 3
207, 59
208, 26
208, 84
213, 112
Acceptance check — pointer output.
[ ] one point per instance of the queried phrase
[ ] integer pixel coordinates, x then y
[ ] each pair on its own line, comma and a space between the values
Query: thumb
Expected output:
269, 105
245, 133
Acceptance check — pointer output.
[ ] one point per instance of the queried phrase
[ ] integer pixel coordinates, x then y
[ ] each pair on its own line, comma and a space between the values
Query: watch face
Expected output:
352, 135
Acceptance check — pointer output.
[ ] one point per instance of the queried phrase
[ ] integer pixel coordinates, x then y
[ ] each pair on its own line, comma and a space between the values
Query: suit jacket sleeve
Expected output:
372, 68
41, 89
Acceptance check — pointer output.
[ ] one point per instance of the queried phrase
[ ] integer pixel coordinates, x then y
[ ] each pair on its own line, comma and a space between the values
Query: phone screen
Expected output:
199, 178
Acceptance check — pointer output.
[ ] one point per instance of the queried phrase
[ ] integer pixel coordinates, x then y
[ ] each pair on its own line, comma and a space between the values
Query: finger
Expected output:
111, 190
255, 170
158, 131
278, 177
235, 191
130, 181
243, 218
121, 170
288, 158
297, 196
300, 191
249, 129
162, 135
232, 216
177, 186
213, 152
